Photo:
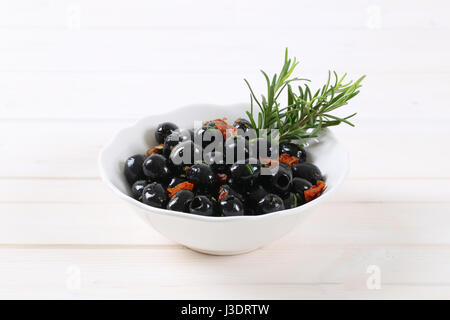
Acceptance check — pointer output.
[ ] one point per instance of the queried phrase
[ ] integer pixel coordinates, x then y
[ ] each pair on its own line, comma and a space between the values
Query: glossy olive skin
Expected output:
163, 130
254, 195
177, 163
202, 139
170, 142
235, 185
270, 203
260, 147
307, 171
293, 150
133, 168
154, 195
231, 206
181, 200
175, 181
246, 173
216, 161
156, 168
137, 188
279, 181
201, 205
291, 200
236, 147
229, 191
175, 138
202, 176
300, 185
242, 124
225, 184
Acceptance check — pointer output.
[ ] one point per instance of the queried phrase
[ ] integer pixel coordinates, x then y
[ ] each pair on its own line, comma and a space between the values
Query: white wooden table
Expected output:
74, 72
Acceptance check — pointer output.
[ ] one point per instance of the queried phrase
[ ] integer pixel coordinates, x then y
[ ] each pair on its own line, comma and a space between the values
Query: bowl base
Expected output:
222, 253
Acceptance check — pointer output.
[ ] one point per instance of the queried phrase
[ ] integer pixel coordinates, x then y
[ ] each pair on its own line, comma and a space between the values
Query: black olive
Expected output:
171, 141
236, 148
307, 171
207, 135
137, 188
231, 206
202, 176
227, 190
133, 168
175, 138
183, 155
242, 124
279, 181
180, 201
299, 186
254, 195
270, 203
246, 173
260, 147
154, 195
201, 205
155, 167
293, 150
216, 160
163, 130
291, 200
235, 185
249, 211
175, 181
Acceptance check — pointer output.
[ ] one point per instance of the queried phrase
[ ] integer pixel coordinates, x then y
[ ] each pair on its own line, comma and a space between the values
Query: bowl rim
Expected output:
184, 215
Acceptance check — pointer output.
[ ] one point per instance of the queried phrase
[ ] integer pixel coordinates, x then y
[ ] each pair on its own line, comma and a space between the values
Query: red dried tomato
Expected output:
314, 191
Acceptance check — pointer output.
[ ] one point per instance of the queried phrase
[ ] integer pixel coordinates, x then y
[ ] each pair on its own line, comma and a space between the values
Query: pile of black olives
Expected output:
210, 186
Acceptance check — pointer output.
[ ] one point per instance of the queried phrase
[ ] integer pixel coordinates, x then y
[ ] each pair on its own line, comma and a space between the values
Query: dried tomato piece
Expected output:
181, 186
225, 129
158, 149
222, 193
288, 159
269, 162
314, 191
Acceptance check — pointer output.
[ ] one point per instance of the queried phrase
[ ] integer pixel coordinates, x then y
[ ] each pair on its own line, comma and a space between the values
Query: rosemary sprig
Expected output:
306, 113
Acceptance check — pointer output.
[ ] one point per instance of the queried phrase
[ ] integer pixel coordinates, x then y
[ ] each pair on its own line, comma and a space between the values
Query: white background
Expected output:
74, 72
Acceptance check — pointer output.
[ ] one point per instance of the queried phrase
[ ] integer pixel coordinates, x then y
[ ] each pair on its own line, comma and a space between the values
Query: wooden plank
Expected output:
57, 95
224, 50
144, 14
331, 223
72, 65
60, 149
54, 148
390, 148
394, 190
300, 271
68, 223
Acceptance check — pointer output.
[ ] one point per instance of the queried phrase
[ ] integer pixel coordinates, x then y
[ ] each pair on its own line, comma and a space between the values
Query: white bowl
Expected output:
215, 235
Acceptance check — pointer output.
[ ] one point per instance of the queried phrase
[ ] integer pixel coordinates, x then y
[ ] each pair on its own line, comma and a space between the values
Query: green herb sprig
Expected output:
306, 113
